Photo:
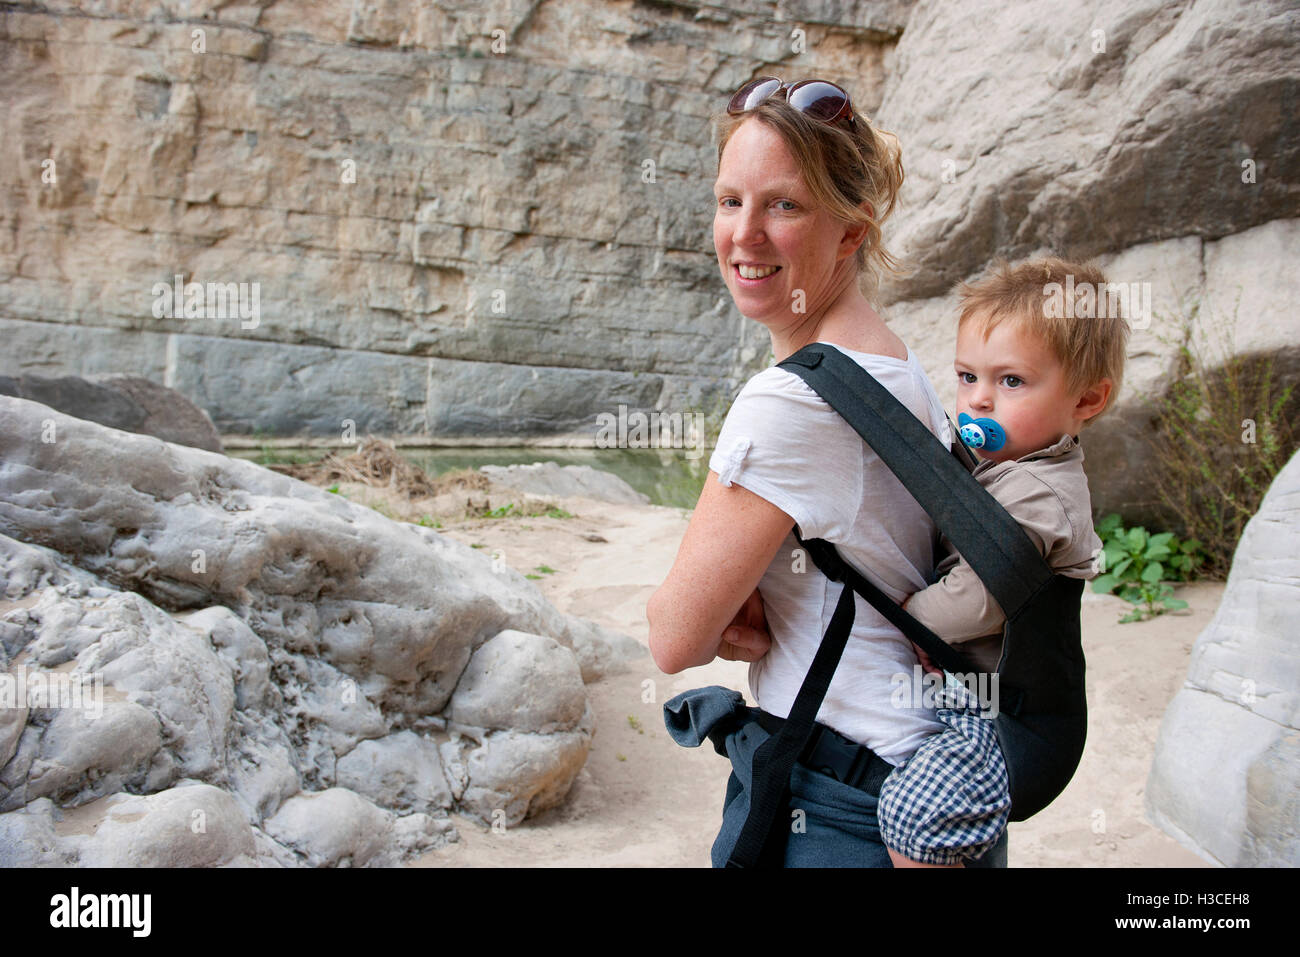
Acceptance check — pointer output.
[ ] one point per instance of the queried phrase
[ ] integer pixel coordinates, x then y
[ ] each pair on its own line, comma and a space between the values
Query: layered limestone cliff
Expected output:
479, 221
461, 219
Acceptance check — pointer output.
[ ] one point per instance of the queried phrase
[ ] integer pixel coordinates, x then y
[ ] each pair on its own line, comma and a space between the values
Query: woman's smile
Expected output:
754, 275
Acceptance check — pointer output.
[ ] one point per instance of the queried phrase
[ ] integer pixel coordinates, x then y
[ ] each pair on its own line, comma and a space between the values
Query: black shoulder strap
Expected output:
826, 558
763, 836
988, 538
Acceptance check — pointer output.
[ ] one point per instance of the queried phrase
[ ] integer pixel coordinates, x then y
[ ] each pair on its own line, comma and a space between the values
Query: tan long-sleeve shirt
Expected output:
1046, 492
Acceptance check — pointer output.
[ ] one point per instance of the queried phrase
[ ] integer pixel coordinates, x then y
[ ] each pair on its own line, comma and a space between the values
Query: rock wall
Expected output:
493, 220
463, 219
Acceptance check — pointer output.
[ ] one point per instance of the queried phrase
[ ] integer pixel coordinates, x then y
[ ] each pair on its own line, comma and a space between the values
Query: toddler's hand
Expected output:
928, 666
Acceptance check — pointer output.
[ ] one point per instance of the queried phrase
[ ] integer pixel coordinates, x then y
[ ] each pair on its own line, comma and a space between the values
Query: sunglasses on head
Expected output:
819, 99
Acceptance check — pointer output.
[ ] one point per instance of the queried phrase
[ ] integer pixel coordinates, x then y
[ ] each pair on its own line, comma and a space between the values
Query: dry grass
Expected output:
377, 476
379, 465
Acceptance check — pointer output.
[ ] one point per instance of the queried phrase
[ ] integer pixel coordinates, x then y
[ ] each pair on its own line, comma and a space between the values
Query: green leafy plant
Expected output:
1137, 567
558, 513
545, 569
428, 522
503, 511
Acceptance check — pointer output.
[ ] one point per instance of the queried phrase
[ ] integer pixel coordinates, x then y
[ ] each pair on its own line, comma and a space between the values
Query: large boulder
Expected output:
1225, 781
322, 667
1117, 123
132, 403
520, 681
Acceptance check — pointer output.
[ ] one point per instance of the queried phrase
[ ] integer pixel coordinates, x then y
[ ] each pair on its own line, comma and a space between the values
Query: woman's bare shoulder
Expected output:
884, 344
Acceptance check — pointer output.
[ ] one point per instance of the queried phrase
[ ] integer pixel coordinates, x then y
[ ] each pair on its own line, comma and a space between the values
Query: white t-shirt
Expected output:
784, 443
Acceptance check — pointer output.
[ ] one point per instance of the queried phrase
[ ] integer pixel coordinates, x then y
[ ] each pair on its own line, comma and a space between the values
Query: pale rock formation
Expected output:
1225, 781
551, 479
340, 681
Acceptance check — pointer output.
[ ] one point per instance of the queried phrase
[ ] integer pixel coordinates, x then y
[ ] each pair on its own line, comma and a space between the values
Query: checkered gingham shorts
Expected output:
951, 800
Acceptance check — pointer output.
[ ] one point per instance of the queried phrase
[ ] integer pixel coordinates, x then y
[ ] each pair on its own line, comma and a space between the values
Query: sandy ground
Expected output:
644, 801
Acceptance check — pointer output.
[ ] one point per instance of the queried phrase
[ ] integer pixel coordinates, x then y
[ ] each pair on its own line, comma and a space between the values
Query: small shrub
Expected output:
1223, 432
1137, 565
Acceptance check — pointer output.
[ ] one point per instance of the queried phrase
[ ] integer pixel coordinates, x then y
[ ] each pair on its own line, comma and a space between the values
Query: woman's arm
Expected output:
732, 537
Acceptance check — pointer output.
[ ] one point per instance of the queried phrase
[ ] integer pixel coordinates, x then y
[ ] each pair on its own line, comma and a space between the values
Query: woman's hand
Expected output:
746, 638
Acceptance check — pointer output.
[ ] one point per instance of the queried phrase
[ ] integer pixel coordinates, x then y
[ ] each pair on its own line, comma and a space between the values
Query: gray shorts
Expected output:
950, 802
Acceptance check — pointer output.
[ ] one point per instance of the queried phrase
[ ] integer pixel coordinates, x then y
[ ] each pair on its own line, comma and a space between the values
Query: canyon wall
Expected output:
493, 221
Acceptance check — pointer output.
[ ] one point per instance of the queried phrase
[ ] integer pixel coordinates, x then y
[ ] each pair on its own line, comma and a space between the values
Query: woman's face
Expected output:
766, 217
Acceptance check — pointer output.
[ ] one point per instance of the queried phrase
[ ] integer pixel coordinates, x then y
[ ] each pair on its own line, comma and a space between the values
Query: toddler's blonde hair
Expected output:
1031, 295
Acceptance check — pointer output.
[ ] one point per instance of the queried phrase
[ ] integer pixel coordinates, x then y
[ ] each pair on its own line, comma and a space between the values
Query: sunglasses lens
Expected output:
819, 99
753, 93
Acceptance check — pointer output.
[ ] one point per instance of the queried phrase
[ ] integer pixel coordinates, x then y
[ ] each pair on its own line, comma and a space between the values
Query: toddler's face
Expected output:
1014, 380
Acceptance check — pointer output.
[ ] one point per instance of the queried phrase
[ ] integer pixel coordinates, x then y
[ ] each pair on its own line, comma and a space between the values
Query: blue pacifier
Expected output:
981, 433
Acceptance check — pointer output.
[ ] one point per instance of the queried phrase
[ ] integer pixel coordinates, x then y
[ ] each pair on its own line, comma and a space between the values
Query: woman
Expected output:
803, 185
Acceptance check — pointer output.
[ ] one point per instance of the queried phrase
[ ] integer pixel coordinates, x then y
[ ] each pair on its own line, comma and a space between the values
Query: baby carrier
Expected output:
1042, 716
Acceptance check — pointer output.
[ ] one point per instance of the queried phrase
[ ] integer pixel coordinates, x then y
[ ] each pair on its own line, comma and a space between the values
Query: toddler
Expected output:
1032, 370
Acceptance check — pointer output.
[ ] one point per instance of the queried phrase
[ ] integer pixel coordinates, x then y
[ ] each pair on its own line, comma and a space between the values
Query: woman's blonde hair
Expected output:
841, 167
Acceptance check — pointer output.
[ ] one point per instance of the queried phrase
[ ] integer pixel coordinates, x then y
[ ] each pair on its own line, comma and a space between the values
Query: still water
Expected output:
665, 475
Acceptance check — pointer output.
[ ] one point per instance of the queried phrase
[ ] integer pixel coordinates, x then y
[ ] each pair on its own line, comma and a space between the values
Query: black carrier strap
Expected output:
826, 558
989, 539
763, 837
